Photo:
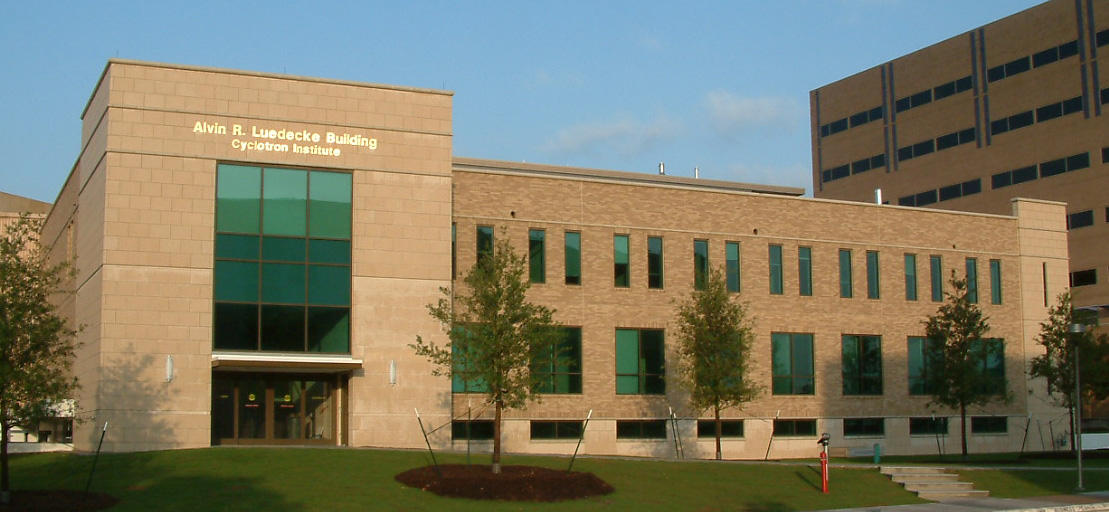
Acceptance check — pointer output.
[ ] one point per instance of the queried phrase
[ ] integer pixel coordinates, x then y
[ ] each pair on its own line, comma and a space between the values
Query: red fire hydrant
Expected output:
823, 442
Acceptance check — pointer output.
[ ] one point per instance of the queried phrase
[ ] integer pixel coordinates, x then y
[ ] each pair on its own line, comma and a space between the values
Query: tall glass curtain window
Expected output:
640, 359
537, 256
621, 270
775, 258
573, 257
922, 353
484, 242
792, 362
935, 268
972, 280
845, 290
654, 262
731, 258
282, 271
804, 270
560, 370
910, 277
700, 263
873, 276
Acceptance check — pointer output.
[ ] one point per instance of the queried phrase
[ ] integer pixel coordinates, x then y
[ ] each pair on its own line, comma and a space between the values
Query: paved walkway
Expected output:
1087, 502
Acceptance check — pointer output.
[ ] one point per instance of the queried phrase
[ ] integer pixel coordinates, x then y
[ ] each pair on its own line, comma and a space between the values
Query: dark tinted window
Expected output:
1049, 112
1068, 50
1083, 277
1045, 57
1021, 120
1024, 174
728, 428
1053, 167
1080, 219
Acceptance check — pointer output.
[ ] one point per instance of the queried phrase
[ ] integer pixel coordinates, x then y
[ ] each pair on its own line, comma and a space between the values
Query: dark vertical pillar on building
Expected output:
887, 116
978, 138
1092, 45
981, 79
1083, 61
892, 155
818, 163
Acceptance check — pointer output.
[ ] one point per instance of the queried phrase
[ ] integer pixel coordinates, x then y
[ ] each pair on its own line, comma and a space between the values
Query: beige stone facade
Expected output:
1019, 94
140, 213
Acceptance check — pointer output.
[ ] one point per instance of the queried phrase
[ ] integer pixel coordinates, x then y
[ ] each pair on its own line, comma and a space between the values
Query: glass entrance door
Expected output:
273, 409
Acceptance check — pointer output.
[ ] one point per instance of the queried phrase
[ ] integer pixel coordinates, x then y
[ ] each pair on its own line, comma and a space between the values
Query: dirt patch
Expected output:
58, 501
515, 483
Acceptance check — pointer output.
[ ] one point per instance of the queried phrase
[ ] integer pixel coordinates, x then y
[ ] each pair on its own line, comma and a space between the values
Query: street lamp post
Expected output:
1076, 331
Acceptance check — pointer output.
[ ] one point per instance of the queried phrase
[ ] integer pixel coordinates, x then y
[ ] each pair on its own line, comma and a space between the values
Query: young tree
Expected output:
962, 371
714, 348
1056, 364
36, 345
495, 334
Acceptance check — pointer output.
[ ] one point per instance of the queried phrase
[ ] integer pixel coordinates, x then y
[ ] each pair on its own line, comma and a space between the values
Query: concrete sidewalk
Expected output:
1086, 502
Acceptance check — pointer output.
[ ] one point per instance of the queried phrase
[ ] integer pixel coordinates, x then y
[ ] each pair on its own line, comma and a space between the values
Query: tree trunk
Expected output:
963, 426
1073, 427
719, 453
497, 439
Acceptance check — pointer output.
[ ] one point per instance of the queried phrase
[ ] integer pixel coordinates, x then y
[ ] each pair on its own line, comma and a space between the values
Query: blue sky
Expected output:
622, 85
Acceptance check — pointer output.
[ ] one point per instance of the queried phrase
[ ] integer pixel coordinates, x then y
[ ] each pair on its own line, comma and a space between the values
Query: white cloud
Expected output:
624, 136
730, 115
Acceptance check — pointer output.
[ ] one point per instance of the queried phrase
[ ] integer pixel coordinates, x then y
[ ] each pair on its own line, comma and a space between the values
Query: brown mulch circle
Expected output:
515, 483
58, 501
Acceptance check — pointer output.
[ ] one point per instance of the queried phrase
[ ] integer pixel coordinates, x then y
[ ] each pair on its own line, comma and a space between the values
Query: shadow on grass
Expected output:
809, 476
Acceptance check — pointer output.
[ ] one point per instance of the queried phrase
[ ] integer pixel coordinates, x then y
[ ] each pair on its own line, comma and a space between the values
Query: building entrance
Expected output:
249, 408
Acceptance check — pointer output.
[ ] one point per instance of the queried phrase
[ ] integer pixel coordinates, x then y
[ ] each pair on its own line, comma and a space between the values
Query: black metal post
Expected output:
426, 440
95, 458
580, 437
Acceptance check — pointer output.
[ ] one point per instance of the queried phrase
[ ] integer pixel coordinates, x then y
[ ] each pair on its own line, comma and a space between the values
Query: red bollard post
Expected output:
824, 471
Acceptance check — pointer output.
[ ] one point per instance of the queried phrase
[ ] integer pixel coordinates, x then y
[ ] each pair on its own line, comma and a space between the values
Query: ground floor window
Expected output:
475, 430
989, 425
556, 429
864, 427
641, 429
794, 428
927, 426
273, 409
728, 428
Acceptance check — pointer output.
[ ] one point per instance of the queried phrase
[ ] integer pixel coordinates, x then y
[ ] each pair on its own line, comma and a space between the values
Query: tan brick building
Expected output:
256, 253
1015, 108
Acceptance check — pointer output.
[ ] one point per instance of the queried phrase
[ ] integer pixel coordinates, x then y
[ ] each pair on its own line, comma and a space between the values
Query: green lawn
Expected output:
298, 479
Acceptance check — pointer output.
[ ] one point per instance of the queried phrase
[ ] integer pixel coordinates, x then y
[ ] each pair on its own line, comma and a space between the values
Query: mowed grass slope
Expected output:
332, 480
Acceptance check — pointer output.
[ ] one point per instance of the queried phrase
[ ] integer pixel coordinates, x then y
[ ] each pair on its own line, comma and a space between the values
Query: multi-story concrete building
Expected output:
1015, 108
256, 252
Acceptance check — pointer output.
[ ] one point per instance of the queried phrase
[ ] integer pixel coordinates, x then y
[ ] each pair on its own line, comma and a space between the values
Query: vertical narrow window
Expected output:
573, 257
862, 365
537, 255
935, 268
700, 263
972, 280
454, 250
873, 276
484, 242
792, 363
731, 253
640, 362
804, 270
621, 272
654, 262
995, 281
910, 277
775, 257
845, 273
1043, 279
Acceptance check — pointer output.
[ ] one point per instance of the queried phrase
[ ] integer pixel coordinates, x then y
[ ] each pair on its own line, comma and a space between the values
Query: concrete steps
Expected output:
932, 483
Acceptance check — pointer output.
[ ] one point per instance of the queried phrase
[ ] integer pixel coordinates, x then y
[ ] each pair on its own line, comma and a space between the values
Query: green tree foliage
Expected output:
1056, 364
714, 348
958, 368
36, 344
495, 334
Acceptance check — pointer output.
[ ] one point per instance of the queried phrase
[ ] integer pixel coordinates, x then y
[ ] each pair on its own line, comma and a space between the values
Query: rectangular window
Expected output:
728, 428
537, 256
700, 263
792, 361
921, 352
927, 426
775, 259
995, 281
804, 270
989, 425
910, 277
1080, 219
454, 250
845, 273
972, 280
559, 368
873, 283
484, 242
864, 427
731, 254
640, 362
935, 268
654, 262
641, 429
1083, 277
556, 429
862, 365
621, 272
282, 260
794, 428
463, 378
992, 364
478, 430
573, 258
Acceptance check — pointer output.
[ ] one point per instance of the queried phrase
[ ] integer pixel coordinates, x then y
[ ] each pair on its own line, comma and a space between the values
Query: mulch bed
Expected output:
515, 483
58, 501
